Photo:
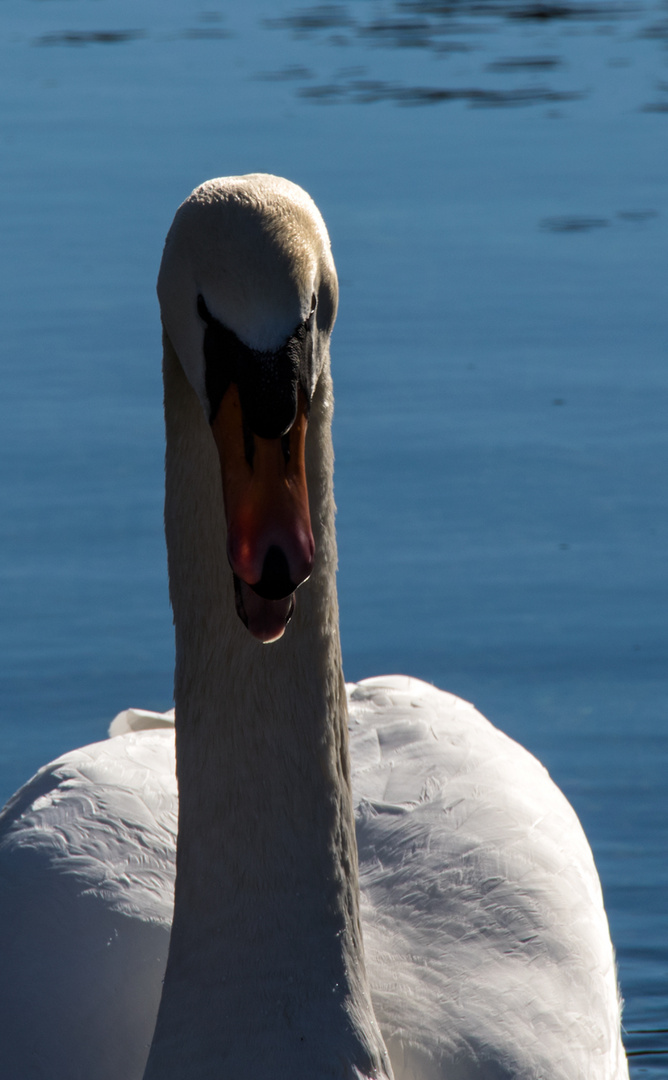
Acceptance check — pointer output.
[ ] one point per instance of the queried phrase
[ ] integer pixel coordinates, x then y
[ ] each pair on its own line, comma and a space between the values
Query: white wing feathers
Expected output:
487, 945
86, 895
140, 720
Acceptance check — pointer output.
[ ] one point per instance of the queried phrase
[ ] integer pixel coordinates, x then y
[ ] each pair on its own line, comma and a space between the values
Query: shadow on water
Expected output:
90, 37
420, 23
650, 1044
573, 224
366, 92
207, 33
580, 223
287, 74
446, 29
526, 63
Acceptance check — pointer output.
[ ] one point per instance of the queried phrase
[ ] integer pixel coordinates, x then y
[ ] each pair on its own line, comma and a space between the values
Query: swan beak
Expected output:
270, 544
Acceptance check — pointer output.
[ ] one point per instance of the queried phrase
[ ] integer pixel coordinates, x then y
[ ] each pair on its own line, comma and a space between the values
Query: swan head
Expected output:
248, 297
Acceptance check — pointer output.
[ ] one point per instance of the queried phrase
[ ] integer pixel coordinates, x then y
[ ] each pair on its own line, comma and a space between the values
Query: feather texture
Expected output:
487, 946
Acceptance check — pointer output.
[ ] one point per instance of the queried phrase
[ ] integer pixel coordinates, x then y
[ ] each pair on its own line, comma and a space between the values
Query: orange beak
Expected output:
269, 540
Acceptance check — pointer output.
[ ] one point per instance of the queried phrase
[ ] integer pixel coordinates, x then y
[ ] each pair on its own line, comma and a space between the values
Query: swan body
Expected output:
86, 899
306, 812
472, 974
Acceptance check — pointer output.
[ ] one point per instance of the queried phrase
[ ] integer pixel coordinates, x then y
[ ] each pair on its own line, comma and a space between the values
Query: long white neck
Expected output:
265, 976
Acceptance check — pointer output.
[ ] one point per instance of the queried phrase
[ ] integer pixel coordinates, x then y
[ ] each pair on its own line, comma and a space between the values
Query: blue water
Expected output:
494, 182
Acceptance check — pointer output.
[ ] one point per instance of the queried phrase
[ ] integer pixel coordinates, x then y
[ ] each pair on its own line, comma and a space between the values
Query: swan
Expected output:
424, 907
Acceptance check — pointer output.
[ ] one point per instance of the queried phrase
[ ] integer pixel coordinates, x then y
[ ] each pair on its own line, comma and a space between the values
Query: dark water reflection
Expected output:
450, 28
499, 360
89, 37
368, 91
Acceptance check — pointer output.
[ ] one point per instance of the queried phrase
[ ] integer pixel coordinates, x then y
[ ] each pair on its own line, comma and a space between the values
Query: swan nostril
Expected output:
275, 583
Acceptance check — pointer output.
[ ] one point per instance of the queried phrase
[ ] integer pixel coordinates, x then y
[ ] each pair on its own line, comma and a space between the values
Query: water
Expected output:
494, 179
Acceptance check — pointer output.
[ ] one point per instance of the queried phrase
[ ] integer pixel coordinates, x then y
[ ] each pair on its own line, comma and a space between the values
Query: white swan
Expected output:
486, 943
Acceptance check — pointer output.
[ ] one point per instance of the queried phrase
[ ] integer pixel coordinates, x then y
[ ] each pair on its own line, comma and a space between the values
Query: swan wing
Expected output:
140, 720
86, 897
487, 944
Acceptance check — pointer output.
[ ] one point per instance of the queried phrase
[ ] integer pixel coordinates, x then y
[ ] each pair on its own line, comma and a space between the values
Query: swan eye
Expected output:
314, 303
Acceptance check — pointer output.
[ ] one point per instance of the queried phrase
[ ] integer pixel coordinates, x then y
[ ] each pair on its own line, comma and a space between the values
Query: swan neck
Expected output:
266, 948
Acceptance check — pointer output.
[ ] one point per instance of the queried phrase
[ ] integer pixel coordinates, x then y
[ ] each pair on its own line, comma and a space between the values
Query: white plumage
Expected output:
485, 934
486, 942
